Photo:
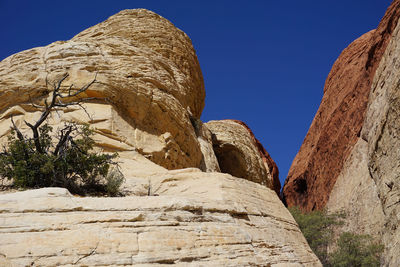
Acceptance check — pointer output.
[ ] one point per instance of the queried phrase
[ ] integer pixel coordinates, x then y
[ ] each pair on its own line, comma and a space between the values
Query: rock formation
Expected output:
349, 158
148, 95
381, 129
148, 85
240, 154
336, 126
190, 218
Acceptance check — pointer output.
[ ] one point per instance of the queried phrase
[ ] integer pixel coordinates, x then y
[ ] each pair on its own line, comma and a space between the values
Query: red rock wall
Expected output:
273, 168
339, 119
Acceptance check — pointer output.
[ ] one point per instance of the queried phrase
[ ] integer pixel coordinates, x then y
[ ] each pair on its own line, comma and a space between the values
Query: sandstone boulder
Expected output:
240, 154
147, 87
146, 102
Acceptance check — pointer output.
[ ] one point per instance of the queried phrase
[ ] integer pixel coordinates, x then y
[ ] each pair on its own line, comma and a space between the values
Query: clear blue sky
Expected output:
263, 62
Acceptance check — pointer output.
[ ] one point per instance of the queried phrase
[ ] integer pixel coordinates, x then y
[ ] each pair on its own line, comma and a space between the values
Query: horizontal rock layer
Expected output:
182, 220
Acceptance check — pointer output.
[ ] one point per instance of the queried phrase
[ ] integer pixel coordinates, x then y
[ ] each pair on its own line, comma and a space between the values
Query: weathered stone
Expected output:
185, 221
338, 122
240, 154
149, 95
382, 130
148, 80
362, 175
356, 194
209, 162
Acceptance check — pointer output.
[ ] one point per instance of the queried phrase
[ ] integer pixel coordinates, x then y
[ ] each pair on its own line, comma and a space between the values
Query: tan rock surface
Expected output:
350, 158
356, 194
382, 130
185, 221
240, 154
149, 97
148, 85
209, 162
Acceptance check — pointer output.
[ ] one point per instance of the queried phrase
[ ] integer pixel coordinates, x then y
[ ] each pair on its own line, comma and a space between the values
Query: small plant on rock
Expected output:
356, 250
316, 227
64, 160
352, 250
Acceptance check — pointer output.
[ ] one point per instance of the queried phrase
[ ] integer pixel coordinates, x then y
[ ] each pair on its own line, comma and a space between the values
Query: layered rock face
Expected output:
148, 85
349, 159
191, 218
146, 103
336, 127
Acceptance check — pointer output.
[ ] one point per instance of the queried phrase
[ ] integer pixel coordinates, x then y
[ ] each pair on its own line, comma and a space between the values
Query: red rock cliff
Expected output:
339, 119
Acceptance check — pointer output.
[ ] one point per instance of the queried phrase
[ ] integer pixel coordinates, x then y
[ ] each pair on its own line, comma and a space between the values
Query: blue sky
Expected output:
263, 62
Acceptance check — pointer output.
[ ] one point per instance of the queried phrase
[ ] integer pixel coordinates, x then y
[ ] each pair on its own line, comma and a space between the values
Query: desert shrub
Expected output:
351, 249
356, 250
70, 164
66, 159
317, 228
114, 180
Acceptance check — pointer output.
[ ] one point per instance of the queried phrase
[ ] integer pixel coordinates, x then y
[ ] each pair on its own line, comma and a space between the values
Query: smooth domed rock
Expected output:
148, 85
146, 103
240, 154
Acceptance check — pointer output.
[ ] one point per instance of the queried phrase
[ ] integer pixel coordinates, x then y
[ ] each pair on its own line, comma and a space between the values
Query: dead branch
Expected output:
15, 128
65, 134
48, 107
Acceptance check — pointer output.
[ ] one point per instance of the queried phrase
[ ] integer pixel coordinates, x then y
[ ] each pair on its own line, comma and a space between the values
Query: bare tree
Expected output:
65, 162
56, 102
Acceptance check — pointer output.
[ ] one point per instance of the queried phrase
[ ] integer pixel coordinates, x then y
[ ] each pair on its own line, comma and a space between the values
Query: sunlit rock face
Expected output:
382, 130
336, 127
148, 84
190, 218
145, 104
349, 160
240, 154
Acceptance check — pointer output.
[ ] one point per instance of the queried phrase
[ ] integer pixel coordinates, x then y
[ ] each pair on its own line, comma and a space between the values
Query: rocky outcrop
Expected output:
148, 85
336, 127
186, 217
355, 193
382, 130
209, 162
240, 154
349, 159
145, 104
368, 188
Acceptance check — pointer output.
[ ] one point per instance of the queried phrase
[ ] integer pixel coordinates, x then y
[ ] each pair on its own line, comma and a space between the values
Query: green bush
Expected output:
65, 160
352, 250
316, 227
68, 163
356, 250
